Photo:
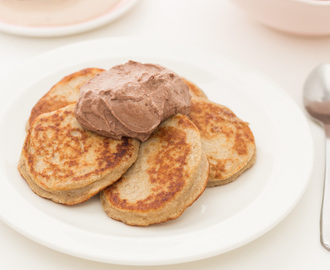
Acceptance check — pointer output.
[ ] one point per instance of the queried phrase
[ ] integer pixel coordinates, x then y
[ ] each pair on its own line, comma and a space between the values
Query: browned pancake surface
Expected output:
63, 93
227, 140
168, 176
195, 91
165, 173
60, 156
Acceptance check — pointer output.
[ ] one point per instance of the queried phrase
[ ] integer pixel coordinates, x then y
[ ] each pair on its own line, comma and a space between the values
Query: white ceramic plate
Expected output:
223, 219
117, 11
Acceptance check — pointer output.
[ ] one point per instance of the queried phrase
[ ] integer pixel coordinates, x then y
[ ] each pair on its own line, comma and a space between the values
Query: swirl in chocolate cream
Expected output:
131, 100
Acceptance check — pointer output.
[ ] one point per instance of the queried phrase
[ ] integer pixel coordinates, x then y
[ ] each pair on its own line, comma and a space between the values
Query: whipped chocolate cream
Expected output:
131, 100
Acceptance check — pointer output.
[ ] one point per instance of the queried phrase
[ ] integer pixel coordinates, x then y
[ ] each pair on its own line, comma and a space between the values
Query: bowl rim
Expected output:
314, 2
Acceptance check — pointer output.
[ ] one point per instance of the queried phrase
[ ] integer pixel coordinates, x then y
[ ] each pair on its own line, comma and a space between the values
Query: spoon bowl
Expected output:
317, 104
317, 93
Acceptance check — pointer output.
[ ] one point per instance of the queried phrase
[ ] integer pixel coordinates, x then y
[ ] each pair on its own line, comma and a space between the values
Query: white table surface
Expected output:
220, 27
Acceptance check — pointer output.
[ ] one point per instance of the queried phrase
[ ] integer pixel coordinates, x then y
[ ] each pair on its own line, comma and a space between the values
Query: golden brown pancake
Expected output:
195, 91
63, 162
227, 140
169, 175
63, 93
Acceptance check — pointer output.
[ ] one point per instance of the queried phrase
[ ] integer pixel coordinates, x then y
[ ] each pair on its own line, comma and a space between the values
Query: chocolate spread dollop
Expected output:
131, 100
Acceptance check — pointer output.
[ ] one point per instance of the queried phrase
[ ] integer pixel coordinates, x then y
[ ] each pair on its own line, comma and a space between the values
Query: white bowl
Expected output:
302, 17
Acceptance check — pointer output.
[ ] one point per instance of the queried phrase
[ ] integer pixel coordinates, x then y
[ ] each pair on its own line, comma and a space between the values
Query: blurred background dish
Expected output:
44, 18
302, 17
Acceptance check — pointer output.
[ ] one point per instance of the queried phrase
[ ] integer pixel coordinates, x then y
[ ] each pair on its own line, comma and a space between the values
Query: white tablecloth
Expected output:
220, 27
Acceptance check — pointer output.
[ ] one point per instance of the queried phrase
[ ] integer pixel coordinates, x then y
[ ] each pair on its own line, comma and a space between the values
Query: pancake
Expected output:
63, 162
169, 175
227, 140
63, 93
194, 90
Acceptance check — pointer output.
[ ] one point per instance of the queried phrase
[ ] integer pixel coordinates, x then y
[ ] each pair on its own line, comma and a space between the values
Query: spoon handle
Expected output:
325, 213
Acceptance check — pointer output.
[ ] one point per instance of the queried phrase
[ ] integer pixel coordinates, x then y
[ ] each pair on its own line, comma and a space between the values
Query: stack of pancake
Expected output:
139, 183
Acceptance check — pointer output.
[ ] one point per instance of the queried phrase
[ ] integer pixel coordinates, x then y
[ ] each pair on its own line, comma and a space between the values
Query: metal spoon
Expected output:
317, 104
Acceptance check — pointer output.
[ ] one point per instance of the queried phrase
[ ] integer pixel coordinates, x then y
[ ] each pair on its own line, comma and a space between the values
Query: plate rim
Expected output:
66, 30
